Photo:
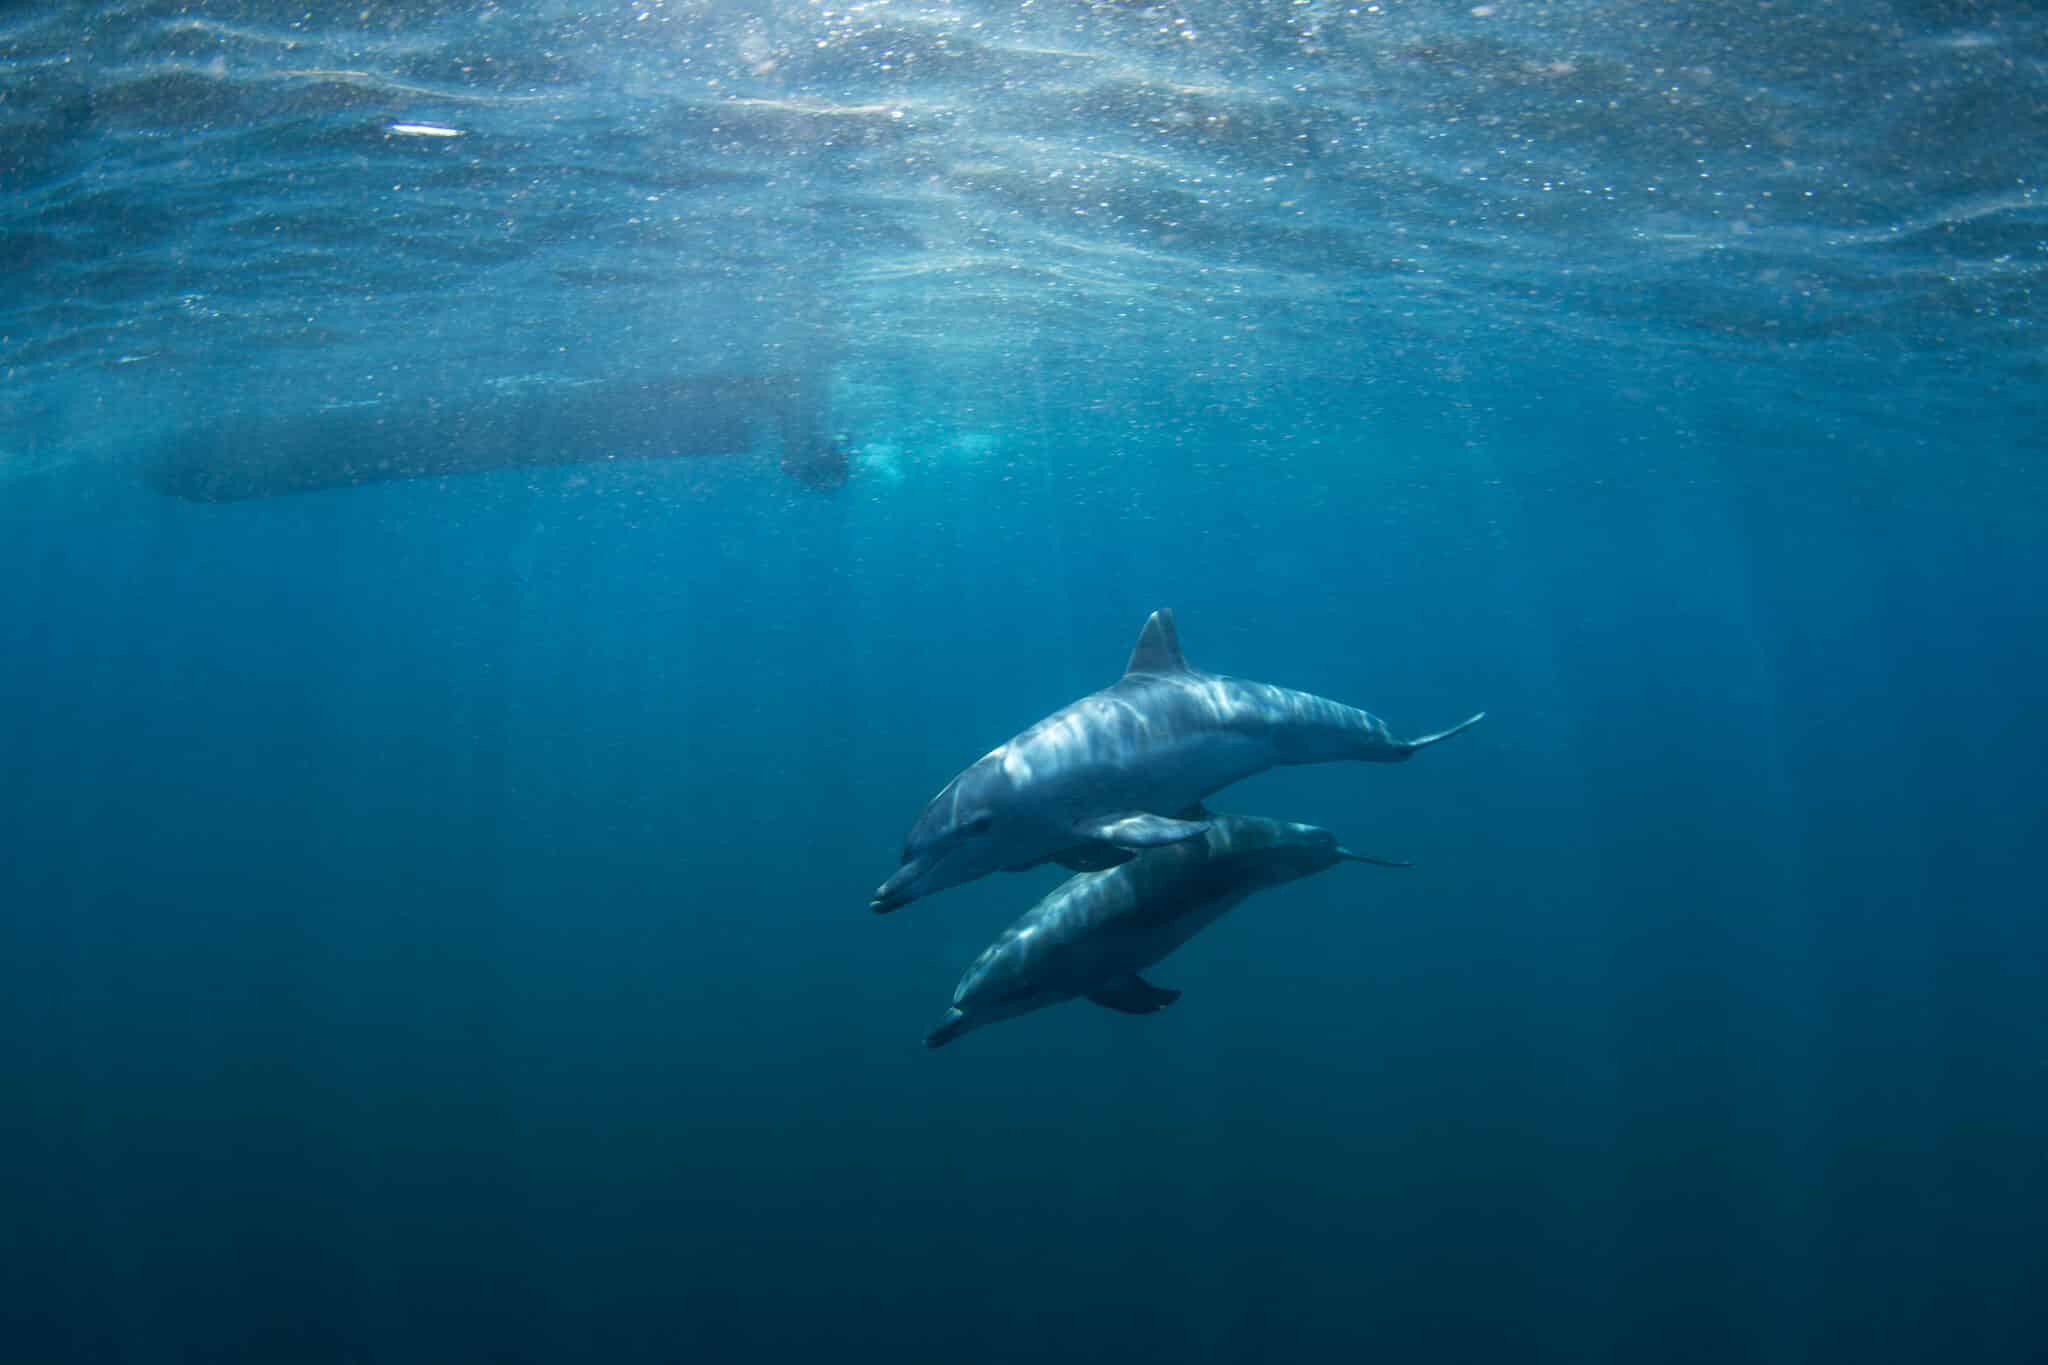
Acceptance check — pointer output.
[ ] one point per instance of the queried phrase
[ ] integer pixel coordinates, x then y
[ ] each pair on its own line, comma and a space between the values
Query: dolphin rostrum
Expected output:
1097, 931
1091, 784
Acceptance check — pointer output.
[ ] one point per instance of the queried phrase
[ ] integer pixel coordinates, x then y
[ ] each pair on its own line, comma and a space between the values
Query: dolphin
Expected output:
1093, 783
1092, 936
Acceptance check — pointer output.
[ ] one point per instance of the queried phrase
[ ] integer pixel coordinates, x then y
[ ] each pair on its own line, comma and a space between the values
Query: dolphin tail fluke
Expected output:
1410, 746
1351, 857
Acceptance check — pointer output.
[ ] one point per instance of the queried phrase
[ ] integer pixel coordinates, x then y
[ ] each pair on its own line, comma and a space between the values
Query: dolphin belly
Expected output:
1153, 944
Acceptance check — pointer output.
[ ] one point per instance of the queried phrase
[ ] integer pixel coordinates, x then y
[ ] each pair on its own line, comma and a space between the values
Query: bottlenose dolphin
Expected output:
1094, 782
1093, 935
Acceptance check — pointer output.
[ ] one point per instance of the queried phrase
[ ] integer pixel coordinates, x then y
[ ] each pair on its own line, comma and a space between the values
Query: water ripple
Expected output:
936, 186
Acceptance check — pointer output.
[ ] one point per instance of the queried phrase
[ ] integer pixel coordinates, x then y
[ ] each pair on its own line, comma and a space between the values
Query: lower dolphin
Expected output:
1097, 931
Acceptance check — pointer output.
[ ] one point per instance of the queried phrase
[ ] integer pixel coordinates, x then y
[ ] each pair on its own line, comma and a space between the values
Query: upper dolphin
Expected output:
1104, 776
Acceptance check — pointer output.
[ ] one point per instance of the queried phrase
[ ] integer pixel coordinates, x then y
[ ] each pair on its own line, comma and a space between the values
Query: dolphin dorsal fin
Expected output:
1158, 649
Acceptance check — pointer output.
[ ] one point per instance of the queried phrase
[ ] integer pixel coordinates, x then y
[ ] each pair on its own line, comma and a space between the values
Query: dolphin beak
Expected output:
949, 1027
901, 888
894, 893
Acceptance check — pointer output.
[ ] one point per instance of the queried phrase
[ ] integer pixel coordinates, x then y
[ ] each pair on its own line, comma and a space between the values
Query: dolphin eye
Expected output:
978, 825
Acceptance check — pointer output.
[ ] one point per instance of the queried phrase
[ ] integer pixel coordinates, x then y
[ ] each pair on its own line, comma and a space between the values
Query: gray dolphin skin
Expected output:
1093, 783
1091, 937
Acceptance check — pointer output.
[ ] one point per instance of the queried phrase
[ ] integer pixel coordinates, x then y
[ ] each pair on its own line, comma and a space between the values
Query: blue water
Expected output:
431, 913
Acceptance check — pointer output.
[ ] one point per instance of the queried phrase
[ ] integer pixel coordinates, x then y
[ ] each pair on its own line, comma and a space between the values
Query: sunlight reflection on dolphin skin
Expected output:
1106, 732
1016, 765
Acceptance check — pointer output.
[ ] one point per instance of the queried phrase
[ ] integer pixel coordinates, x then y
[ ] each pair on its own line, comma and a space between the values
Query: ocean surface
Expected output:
432, 911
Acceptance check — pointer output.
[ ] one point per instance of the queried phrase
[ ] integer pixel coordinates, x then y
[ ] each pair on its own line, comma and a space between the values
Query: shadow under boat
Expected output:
237, 458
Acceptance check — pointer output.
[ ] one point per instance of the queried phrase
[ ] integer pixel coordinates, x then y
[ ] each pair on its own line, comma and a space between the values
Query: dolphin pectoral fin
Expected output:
1351, 857
1411, 745
1136, 829
1092, 857
1133, 995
